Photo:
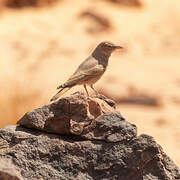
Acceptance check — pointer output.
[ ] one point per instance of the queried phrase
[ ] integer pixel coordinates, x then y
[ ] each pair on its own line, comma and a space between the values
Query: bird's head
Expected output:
107, 48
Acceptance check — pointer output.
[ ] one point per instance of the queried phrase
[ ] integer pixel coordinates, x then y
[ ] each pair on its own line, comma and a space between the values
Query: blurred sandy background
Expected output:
43, 41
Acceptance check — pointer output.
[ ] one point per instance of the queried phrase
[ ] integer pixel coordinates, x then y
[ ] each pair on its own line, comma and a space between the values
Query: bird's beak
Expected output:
118, 47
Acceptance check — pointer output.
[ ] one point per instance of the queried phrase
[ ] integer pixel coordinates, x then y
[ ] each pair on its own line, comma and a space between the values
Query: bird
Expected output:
90, 70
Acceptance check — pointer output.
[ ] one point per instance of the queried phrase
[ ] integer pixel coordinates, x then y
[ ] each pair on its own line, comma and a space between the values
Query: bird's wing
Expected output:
86, 69
84, 75
89, 63
98, 69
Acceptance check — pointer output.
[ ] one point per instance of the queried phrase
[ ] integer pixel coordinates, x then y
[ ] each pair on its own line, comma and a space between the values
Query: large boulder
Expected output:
88, 139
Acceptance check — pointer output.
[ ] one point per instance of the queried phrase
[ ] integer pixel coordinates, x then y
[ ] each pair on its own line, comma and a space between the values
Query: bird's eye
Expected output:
108, 45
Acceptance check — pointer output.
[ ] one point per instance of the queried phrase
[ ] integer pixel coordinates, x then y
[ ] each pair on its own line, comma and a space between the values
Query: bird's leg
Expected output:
93, 89
86, 89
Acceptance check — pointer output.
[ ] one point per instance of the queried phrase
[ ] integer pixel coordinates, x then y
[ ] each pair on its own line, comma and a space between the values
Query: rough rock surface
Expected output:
8, 171
107, 147
79, 115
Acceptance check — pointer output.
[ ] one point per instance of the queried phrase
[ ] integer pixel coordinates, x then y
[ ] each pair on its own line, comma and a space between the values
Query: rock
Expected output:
92, 141
110, 128
39, 155
71, 115
129, 3
26, 3
98, 22
8, 170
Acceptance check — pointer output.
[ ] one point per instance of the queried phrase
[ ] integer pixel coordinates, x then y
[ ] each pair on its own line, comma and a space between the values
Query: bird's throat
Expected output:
101, 58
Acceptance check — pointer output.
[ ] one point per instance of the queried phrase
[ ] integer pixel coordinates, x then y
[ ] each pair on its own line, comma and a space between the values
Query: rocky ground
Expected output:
80, 137
42, 45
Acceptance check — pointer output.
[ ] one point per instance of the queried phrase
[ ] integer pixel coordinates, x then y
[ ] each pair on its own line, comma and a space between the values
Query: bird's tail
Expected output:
60, 93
